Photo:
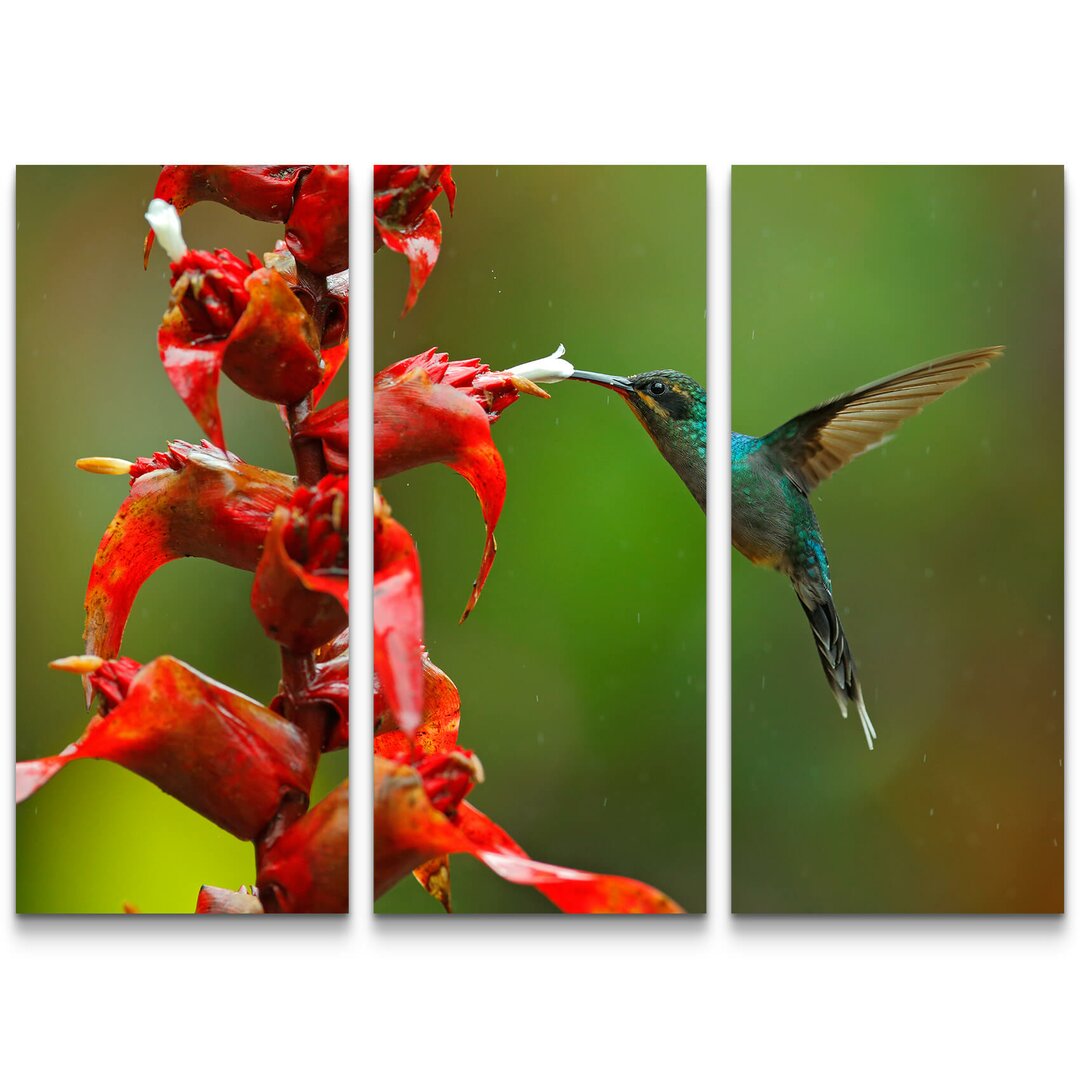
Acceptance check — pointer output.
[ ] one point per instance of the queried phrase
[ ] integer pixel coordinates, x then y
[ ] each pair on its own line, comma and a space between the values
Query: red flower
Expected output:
405, 220
428, 409
222, 754
301, 589
188, 501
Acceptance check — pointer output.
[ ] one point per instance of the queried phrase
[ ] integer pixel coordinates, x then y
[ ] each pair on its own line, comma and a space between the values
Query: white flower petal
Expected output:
165, 222
549, 369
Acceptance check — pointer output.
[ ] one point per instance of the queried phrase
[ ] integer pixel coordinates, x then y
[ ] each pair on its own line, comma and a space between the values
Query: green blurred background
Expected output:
946, 545
582, 669
89, 381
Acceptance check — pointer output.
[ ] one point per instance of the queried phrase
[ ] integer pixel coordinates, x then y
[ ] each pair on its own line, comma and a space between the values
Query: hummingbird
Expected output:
671, 408
772, 520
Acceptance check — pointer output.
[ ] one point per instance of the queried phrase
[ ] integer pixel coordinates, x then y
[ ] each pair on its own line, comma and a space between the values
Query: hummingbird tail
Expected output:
835, 654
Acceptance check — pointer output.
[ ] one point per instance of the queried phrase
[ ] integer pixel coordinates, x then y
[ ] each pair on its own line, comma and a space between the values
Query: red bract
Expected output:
405, 220
312, 201
398, 619
317, 231
224, 755
268, 346
215, 901
325, 299
190, 501
301, 588
329, 426
439, 724
332, 360
427, 409
306, 870
410, 831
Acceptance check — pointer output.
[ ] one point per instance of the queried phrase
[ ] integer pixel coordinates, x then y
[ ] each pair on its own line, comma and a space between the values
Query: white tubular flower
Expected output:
165, 222
551, 368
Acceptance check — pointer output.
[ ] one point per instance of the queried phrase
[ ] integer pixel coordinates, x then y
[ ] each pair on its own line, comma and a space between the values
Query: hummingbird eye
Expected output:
657, 387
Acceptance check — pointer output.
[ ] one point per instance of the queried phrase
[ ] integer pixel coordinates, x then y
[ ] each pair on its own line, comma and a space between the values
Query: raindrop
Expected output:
639, 618
605, 800
931, 811
540, 742
924, 762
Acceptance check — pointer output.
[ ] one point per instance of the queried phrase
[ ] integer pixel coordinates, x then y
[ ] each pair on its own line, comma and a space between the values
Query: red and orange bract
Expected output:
427, 409
224, 755
301, 589
191, 501
307, 867
410, 832
270, 349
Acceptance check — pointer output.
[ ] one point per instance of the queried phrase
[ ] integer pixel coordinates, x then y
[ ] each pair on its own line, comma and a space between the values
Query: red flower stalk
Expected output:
301, 588
219, 752
329, 686
330, 427
405, 220
189, 501
243, 766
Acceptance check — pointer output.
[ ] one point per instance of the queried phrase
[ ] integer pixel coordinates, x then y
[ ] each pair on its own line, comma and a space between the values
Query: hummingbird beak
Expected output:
616, 382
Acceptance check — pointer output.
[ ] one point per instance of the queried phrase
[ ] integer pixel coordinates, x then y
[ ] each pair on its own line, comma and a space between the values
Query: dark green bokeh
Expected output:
946, 545
89, 381
582, 669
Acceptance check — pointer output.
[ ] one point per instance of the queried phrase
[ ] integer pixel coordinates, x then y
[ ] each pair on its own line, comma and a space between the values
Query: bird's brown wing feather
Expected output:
813, 445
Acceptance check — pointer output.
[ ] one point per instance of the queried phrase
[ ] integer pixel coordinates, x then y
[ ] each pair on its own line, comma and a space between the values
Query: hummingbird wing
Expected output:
813, 445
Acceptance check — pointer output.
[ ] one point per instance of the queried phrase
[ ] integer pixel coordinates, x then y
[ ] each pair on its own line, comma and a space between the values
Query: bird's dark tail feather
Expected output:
835, 655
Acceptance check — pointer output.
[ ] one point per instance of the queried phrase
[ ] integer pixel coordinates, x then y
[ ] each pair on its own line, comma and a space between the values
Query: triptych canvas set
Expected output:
529, 655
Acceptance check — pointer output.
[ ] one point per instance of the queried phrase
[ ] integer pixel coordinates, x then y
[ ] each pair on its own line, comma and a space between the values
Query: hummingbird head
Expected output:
665, 401
671, 408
